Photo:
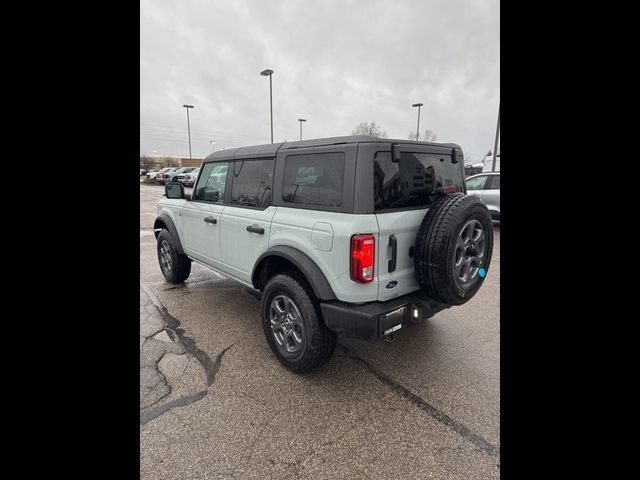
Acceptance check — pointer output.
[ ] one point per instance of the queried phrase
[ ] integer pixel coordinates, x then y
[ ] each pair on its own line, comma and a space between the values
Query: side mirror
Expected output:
174, 190
395, 156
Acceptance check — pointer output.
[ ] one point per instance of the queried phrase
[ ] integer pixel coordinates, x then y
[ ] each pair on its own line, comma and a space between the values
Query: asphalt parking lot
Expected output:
215, 402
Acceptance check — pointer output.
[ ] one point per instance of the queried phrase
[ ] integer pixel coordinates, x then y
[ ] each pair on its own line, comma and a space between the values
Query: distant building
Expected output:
181, 161
190, 162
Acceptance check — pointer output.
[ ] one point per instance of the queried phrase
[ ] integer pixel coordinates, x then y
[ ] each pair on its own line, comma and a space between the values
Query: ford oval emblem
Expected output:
392, 284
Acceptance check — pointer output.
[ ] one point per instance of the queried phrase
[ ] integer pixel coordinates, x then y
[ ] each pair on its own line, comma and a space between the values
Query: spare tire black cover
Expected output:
453, 248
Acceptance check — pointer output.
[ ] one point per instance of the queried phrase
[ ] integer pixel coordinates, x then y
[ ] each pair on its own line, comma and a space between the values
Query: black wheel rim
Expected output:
165, 257
287, 326
470, 254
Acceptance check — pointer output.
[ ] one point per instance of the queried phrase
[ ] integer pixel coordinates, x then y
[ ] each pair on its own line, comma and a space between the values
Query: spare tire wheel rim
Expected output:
469, 255
286, 324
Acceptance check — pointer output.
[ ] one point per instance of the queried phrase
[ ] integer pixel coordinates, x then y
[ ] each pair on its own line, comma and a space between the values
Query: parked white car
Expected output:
487, 187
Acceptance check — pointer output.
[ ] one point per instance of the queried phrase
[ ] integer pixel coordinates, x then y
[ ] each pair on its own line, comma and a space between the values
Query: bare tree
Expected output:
146, 163
369, 128
168, 162
427, 136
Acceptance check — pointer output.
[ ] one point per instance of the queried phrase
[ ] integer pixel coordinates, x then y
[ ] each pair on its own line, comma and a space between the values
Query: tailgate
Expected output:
398, 232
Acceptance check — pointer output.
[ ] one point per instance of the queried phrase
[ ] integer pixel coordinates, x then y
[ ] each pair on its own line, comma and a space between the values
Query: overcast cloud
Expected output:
336, 63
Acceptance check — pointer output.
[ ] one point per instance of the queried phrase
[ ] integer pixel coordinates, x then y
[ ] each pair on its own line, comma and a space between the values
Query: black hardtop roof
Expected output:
270, 150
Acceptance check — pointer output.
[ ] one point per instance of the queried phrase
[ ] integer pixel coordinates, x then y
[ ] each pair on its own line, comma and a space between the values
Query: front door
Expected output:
201, 215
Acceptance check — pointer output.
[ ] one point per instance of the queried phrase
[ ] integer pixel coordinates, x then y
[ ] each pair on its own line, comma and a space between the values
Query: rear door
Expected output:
491, 193
246, 219
403, 193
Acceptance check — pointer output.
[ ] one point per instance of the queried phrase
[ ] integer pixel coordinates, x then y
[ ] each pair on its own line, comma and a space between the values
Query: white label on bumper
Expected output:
393, 329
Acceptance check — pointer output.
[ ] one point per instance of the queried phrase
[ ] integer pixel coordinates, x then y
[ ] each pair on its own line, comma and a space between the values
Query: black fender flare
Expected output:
164, 218
308, 267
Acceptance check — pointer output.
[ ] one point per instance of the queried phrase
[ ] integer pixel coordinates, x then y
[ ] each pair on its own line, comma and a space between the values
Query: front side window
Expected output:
252, 183
476, 183
211, 184
314, 179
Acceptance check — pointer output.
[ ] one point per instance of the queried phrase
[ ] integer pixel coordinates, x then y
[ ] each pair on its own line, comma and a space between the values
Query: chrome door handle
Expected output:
210, 220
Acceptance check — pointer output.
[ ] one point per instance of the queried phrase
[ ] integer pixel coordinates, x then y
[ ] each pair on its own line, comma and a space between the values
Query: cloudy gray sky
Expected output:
336, 63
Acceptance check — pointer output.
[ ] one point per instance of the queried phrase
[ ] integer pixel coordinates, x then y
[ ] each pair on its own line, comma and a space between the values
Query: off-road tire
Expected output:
180, 265
435, 250
318, 343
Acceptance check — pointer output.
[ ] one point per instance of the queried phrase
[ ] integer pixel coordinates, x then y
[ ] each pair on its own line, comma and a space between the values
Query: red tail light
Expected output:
363, 249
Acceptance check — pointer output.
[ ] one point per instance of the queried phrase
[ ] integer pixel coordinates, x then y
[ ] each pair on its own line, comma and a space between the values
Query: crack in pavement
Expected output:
177, 334
438, 415
155, 412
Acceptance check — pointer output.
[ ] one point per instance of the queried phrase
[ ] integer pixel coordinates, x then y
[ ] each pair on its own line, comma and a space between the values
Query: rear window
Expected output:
412, 182
314, 179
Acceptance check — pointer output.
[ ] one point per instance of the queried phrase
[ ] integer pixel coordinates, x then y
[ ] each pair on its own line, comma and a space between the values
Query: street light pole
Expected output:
495, 145
267, 73
188, 126
418, 127
213, 146
301, 120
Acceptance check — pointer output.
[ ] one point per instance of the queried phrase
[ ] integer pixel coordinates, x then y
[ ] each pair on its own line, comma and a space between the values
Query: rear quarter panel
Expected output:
325, 237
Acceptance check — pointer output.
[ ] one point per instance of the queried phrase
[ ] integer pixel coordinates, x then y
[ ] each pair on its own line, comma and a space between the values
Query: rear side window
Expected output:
211, 184
314, 179
495, 182
252, 183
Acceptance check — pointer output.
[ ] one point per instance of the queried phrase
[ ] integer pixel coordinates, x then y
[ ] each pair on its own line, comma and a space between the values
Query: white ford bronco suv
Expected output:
356, 235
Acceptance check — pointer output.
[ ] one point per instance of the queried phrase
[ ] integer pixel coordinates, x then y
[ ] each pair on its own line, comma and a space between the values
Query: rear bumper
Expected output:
373, 320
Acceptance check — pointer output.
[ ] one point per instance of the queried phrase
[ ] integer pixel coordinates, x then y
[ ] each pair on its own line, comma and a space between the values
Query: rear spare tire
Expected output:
453, 248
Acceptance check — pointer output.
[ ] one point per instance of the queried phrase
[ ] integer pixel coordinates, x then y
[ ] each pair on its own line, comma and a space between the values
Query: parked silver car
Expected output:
163, 175
180, 172
188, 179
487, 187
